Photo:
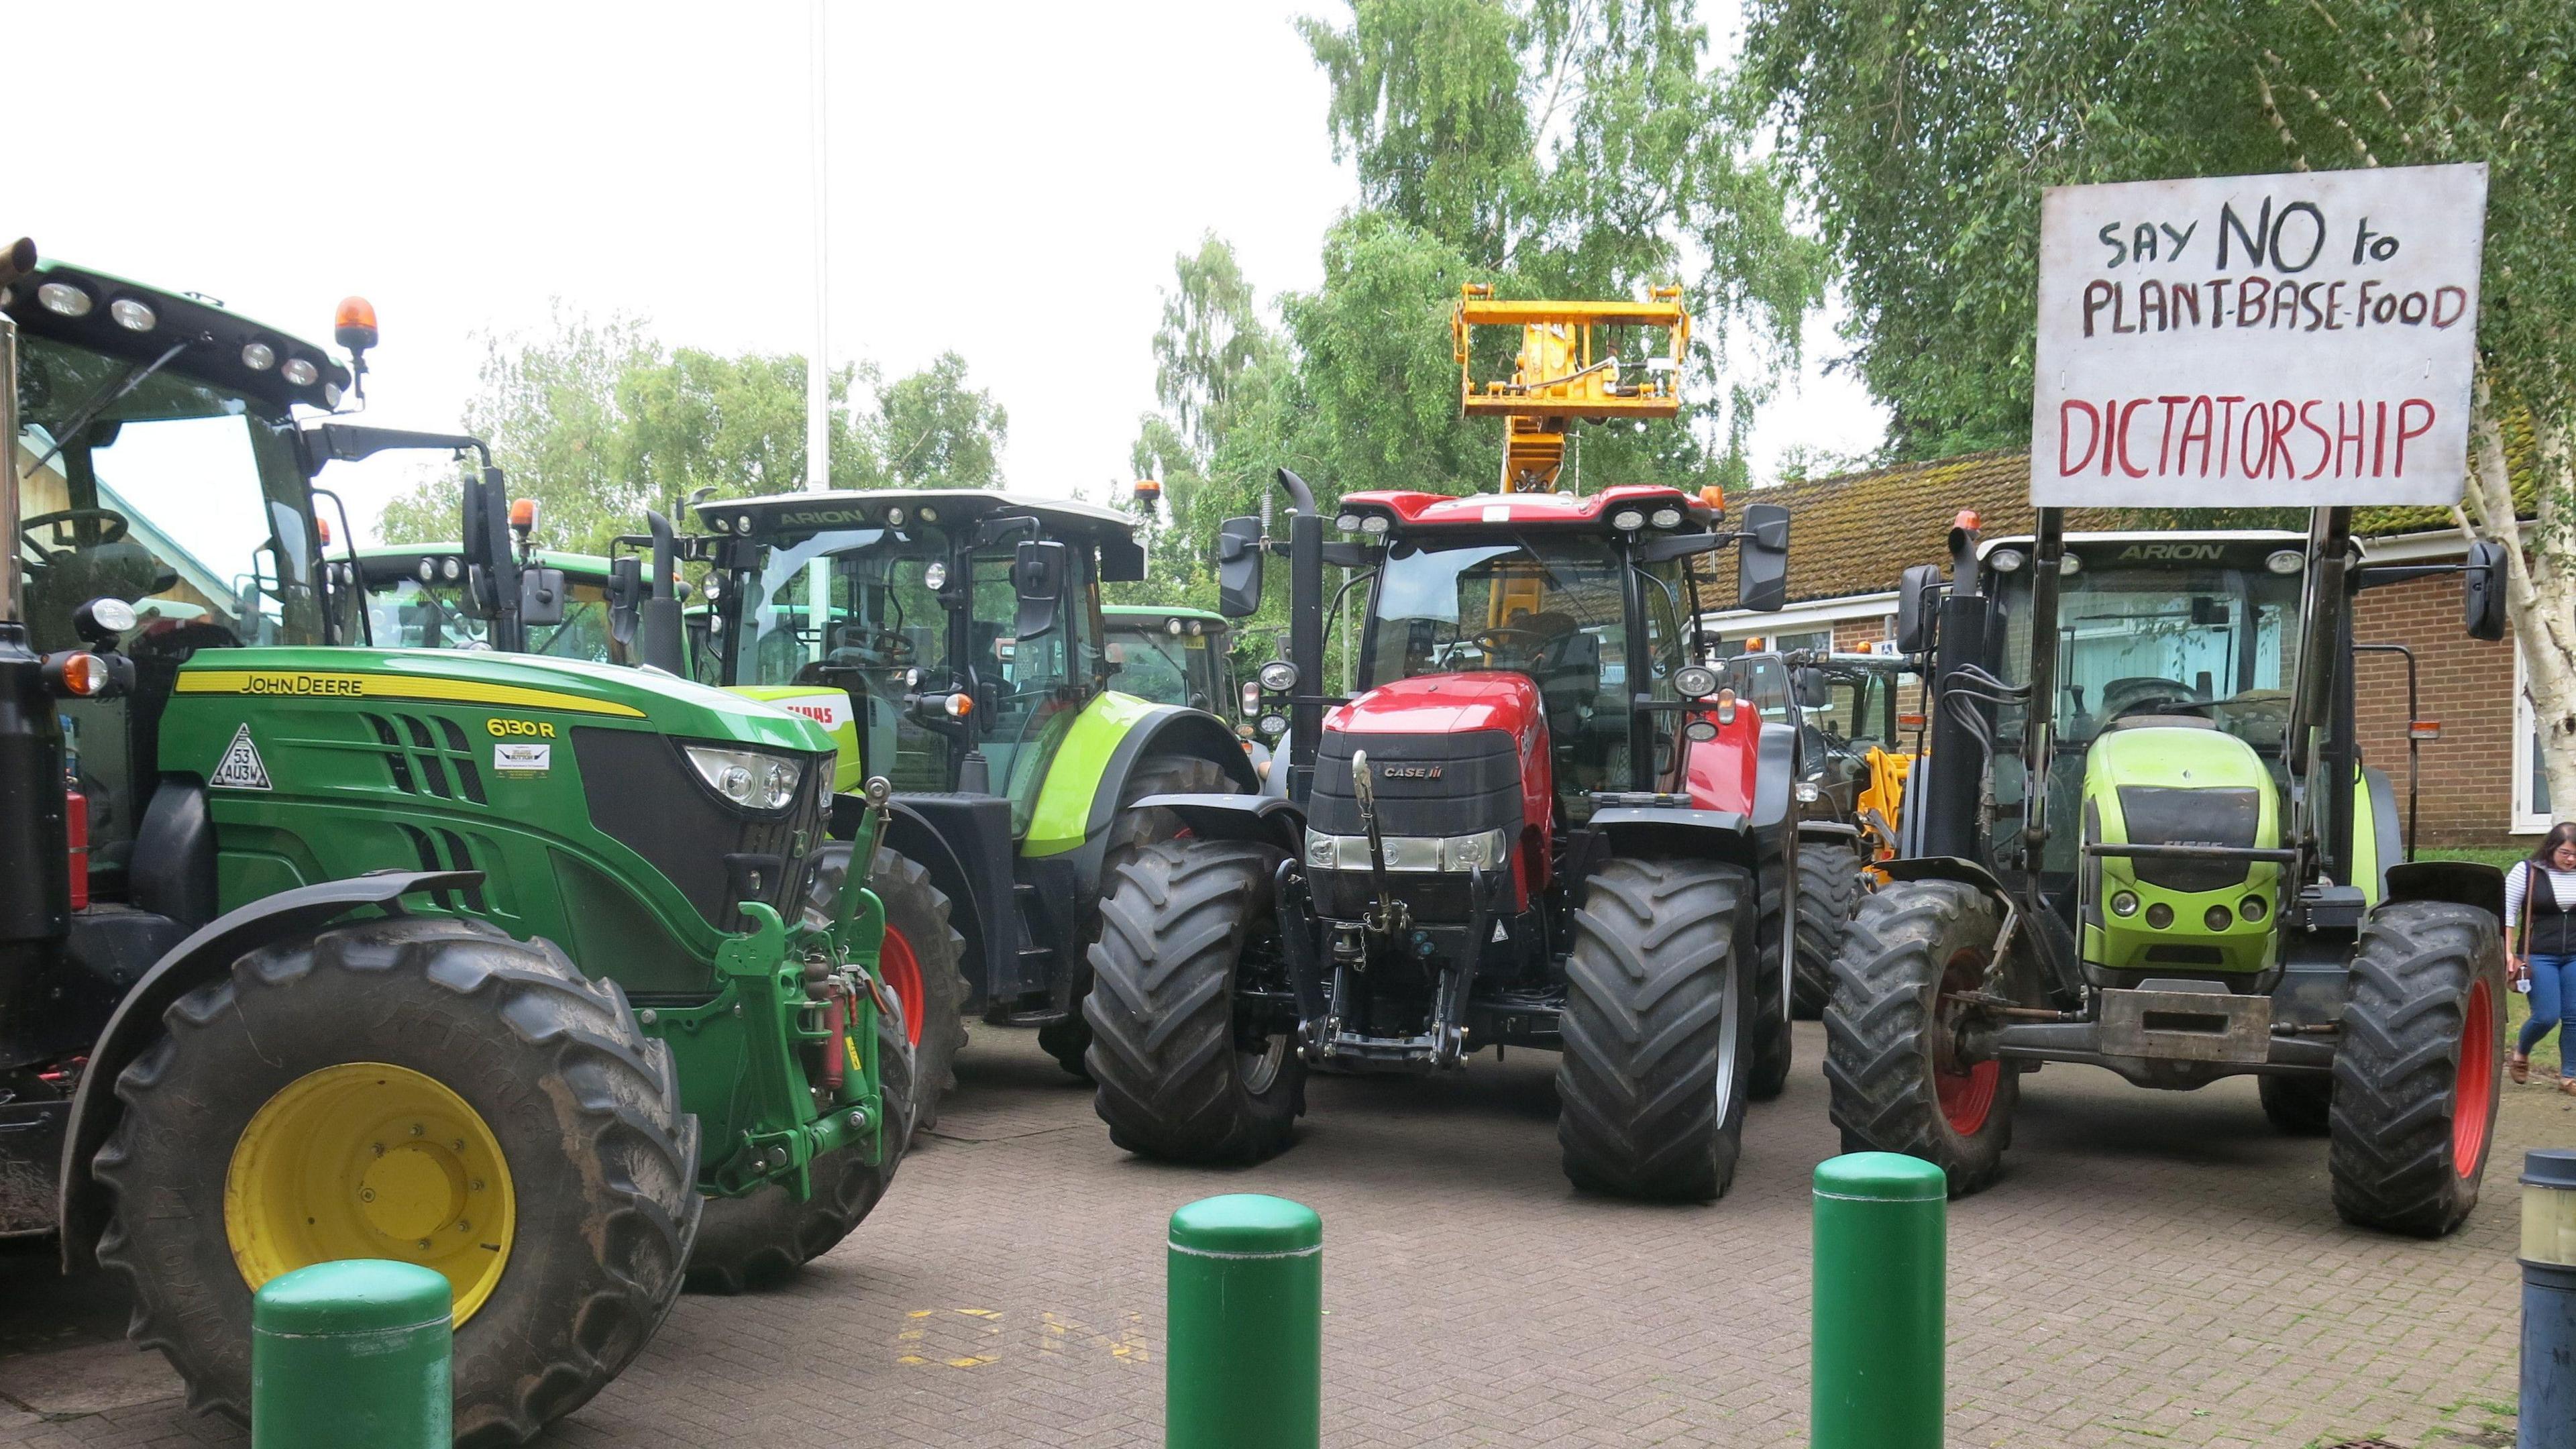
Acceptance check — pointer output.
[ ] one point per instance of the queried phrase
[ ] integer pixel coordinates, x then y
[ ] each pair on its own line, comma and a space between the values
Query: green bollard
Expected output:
354, 1352
1244, 1368
1878, 1312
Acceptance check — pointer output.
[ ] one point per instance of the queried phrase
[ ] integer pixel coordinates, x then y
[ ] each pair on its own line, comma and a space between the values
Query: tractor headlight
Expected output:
748, 778
2217, 919
1695, 681
2252, 908
1274, 725
1473, 852
1628, 520
1319, 849
2125, 903
1667, 518
1278, 676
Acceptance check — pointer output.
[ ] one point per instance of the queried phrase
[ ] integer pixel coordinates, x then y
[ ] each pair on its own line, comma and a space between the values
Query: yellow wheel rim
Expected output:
369, 1160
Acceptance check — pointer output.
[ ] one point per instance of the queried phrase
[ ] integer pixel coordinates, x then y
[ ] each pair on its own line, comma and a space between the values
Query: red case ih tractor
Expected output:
1539, 822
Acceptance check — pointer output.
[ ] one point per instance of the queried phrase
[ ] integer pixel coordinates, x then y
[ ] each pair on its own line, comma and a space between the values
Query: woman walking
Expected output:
2540, 925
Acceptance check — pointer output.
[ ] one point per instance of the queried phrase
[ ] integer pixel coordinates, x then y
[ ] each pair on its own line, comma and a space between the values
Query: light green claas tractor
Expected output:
953, 642
1182, 656
2144, 837
504, 965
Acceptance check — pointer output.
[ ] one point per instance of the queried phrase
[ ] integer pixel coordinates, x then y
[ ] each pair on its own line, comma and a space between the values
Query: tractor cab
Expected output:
1171, 656
2195, 631
959, 629
952, 641
415, 596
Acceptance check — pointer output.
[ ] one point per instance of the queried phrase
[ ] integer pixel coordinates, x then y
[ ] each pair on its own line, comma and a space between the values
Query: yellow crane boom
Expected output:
1560, 376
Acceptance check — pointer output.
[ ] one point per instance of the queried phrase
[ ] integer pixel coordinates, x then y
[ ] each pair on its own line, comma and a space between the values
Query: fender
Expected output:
208, 953
1265, 819
2028, 939
1829, 827
2461, 882
1162, 729
1678, 830
918, 841
1773, 777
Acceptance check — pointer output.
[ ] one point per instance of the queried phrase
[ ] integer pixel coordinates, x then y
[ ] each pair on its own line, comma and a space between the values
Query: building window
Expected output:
2530, 781
1820, 640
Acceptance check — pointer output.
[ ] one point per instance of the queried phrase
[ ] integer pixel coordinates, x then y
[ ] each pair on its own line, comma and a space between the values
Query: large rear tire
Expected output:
2418, 1074
760, 1239
1828, 894
1182, 1075
1653, 1077
1896, 1084
921, 962
377, 1086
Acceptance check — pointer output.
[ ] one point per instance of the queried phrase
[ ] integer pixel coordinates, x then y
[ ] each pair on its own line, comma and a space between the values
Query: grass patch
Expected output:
2500, 859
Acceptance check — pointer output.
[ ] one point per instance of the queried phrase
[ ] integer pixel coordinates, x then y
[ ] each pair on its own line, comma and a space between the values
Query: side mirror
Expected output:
2482, 591
541, 596
1238, 567
1815, 691
1762, 559
1918, 593
1037, 575
1122, 561
625, 597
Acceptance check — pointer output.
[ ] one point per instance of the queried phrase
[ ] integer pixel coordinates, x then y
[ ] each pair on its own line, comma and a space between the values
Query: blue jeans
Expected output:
2553, 1003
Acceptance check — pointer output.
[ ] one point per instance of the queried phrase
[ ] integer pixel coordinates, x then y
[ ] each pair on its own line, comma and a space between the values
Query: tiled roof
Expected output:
1854, 533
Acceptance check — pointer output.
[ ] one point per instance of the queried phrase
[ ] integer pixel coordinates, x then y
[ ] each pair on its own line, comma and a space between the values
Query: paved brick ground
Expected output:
2155, 1269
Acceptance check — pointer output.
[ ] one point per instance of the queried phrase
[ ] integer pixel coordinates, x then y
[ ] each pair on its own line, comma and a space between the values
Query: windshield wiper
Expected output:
1553, 581
89, 412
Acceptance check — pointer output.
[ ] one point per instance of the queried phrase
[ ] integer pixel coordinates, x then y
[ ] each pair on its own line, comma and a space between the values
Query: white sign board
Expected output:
2258, 341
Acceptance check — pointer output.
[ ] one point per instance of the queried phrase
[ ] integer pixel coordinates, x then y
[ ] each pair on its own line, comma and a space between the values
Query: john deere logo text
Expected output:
1412, 772
526, 728
304, 684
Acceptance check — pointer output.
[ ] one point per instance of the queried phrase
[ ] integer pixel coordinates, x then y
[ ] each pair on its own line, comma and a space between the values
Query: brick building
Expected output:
2480, 785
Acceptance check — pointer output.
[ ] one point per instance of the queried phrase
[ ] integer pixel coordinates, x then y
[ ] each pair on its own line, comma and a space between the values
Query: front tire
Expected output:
1069, 1039
2419, 1072
1181, 1075
1654, 1073
920, 963
377, 1086
1896, 1083
1773, 1042
1828, 895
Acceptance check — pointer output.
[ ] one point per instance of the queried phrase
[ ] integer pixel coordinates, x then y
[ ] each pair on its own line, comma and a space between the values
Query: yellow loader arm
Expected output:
1559, 376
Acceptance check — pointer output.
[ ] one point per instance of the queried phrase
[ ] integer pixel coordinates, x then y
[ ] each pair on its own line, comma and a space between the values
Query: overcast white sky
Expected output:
1008, 180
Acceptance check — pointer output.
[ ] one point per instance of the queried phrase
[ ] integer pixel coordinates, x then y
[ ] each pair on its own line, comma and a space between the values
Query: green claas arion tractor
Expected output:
952, 641
312, 950
2144, 838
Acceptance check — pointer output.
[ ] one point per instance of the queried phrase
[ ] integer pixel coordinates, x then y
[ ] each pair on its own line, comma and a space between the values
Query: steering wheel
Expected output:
113, 526
872, 647
1500, 636
2180, 701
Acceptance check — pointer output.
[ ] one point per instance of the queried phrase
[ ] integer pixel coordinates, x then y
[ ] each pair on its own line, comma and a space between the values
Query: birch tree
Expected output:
1925, 134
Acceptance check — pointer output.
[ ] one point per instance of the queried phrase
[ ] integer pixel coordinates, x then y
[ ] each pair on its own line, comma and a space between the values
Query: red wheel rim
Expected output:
2475, 1100
895, 964
1966, 1097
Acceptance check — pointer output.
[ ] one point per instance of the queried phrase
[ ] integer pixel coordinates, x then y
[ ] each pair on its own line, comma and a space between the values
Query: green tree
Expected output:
1925, 133
598, 422
933, 431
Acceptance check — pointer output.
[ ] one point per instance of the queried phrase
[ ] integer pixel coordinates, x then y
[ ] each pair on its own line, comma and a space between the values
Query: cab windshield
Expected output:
1152, 663
1551, 608
2211, 641
180, 497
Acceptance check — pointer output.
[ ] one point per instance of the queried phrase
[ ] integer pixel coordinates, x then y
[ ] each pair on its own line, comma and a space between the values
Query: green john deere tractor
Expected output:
313, 950
2144, 838
953, 642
